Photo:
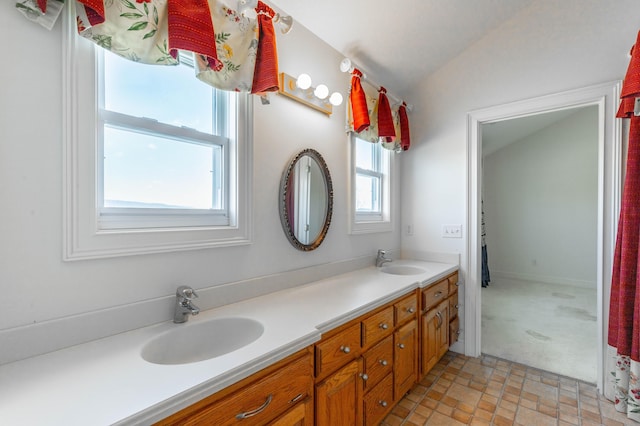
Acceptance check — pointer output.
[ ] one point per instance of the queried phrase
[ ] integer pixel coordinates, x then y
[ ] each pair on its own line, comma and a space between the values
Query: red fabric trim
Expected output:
405, 136
386, 129
624, 307
265, 76
94, 10
631, 85
358, 101
191, 29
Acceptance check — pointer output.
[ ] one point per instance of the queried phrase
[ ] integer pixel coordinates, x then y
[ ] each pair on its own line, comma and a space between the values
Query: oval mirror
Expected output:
306, 200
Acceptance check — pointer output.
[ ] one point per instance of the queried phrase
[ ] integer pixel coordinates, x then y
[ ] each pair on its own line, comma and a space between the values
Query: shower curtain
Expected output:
622, 383
485, 259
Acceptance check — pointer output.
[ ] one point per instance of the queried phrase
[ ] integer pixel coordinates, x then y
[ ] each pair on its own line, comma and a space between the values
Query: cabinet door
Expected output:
339, 396
435, 332
443, 328
405, 358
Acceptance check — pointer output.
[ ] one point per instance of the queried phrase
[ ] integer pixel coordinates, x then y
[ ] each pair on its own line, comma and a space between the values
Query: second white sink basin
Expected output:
402, 270
198, 341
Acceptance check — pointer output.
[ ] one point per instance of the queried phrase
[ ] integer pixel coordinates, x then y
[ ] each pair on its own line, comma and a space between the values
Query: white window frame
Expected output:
84, 237
367, 222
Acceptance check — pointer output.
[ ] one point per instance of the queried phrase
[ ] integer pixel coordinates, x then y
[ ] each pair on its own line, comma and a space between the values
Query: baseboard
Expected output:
543, 279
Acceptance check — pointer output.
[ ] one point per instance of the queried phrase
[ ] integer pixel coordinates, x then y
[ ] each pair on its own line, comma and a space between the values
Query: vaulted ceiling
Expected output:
398, 44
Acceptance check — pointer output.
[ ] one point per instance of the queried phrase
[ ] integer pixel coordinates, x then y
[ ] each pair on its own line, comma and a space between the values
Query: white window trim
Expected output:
81, 237
368, 223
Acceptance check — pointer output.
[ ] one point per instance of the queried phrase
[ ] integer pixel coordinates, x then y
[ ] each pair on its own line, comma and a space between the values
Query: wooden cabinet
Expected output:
338, 397
378, 401
256, 400
439, 326
435, 335
353, 376
376, 373
405, 358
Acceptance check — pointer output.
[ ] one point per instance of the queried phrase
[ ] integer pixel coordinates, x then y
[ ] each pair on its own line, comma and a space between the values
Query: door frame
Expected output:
605, 96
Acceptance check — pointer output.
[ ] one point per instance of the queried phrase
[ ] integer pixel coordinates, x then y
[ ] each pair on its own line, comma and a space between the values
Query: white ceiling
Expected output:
500, 134
399, 43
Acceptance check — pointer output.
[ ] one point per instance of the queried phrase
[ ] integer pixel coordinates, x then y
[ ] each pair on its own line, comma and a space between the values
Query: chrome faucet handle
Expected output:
381, 252
186, 292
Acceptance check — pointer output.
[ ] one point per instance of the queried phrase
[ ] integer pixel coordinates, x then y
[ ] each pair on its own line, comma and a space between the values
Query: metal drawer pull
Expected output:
439, 316
364, 377
384, 326
458, 332
411, 310
458, 306
438, 294
345, 349
458, 284
383, 403
258, 410
401, 345
296, 398
383, 362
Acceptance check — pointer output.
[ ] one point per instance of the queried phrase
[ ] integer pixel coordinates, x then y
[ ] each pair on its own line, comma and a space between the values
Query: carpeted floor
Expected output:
550, 327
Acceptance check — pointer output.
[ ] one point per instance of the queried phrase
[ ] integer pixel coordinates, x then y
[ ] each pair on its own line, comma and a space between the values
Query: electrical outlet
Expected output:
410, 230
451, 231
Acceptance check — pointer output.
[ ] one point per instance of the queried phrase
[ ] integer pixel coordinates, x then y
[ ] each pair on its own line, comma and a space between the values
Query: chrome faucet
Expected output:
184, 307
382, 258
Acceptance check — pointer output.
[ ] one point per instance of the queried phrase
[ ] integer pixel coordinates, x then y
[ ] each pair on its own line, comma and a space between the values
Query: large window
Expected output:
155, 160
164, 155
370, 188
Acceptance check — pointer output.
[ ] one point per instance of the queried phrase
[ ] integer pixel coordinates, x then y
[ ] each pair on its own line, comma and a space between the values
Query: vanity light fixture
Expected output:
300, 89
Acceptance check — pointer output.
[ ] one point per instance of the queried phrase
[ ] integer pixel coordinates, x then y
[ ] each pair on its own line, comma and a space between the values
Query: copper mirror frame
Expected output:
306, 195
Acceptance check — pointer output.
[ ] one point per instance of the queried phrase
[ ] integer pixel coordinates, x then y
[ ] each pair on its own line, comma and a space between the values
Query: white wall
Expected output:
541, 203
549, 47
38, 288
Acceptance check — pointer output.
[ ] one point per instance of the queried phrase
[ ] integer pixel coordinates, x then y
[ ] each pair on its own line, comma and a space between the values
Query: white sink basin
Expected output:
402, 270
198, 341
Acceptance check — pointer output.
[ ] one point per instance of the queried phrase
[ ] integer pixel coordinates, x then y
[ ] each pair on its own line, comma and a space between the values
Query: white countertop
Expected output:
107, 382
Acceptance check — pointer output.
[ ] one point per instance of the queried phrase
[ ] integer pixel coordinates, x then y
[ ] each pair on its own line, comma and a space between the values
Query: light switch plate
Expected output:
451, 231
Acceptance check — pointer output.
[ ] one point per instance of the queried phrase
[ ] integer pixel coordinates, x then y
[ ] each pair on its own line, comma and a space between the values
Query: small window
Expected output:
370, 187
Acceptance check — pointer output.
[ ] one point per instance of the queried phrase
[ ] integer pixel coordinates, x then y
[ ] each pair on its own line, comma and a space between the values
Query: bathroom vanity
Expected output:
346, 347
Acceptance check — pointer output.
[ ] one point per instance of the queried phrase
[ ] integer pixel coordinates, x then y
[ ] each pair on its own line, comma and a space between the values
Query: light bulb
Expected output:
345, 65
321, 91
304, 81
286, 23
335, 99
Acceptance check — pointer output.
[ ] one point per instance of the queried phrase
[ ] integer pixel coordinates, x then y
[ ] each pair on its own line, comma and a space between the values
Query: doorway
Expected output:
605, 97
540, 213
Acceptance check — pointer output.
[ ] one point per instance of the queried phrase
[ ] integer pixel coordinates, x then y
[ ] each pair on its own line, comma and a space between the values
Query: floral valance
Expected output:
231, 51
371, 116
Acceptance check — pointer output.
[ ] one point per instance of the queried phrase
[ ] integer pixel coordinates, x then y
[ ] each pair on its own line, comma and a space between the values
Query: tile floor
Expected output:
461, 390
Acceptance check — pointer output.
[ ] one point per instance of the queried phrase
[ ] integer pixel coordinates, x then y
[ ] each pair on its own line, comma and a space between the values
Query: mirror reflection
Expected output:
306, 200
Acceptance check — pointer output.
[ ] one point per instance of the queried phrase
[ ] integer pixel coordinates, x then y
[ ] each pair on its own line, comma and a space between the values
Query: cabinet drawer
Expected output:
405, 309
453, 282
454, 330
453, 305
337, 350
261, 401
377, 326
378, 362
434, 294
378, 401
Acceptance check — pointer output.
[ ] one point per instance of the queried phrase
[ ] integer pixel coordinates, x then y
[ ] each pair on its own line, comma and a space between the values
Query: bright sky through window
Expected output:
143, 170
